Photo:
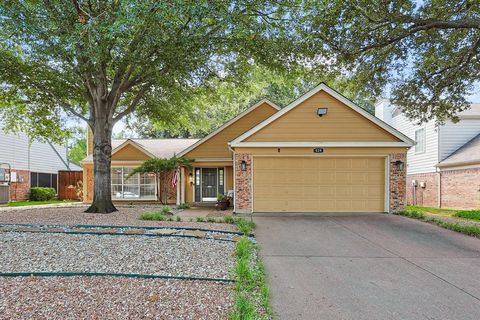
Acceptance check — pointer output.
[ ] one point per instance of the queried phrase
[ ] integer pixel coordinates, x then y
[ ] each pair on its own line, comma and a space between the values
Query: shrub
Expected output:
413, 213
229, 219
152, 215
183, 206
200, 219
42, 194
470, 214
165, 210
244, 225
178, 218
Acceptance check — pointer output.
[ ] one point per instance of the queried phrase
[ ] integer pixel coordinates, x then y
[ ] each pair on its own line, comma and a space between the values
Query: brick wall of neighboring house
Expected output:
20, 190
397, 183
243, 184
460, 188
425, 197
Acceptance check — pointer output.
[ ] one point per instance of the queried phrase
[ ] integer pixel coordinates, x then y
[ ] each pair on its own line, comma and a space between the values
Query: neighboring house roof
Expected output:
406, 141
228, 123
23, 153
467, 154
155, 148
473, 111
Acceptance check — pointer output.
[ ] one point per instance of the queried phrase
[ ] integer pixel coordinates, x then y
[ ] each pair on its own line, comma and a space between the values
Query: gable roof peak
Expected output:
230, 122
332, 92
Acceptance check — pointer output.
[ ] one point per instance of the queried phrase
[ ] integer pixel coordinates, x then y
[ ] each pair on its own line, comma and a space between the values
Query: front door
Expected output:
209, 184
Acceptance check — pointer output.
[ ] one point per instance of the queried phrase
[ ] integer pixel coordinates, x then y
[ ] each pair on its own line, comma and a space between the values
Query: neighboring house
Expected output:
321, 153
444, 165
31, 163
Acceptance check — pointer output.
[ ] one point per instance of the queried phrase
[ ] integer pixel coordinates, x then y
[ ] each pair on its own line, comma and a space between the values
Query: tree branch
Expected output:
136, 100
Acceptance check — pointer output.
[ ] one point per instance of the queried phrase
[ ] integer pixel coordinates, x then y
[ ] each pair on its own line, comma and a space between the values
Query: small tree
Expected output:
162, 168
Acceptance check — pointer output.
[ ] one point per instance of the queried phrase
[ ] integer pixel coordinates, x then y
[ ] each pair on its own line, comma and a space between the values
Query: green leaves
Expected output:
426, 54
162, 165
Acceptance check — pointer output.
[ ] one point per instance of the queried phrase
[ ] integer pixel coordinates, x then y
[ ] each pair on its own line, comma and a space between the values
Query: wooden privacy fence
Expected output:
67, 184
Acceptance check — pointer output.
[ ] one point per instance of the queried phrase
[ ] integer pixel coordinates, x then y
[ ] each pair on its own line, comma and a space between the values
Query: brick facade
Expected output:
460, 188
427, 196
20, 190
243, 184
397, 183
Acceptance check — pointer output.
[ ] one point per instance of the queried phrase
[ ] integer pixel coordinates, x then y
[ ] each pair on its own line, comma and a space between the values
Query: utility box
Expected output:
4, 193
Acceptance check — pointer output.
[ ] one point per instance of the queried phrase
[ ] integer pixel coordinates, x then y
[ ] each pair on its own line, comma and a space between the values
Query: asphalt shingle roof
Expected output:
160, 148
468, 153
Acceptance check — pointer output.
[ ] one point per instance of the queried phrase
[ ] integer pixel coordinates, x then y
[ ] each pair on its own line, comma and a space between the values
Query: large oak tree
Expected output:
103, 60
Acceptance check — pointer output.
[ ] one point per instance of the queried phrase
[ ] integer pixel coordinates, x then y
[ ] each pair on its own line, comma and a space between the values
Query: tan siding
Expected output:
327, 151
217, 146
340, 124
129, 153
309, 184
212, 164
89, 141
87, 183
229, 178
188, 187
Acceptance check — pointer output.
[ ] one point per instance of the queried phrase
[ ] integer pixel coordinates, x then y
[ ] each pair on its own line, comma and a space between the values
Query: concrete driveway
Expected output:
368, 266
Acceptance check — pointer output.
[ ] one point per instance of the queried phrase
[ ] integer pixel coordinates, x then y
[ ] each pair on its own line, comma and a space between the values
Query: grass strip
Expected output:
252, 295
468, 214
471, 230
36, 203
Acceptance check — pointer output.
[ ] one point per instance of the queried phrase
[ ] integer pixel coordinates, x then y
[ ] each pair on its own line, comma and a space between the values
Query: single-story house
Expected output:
321, 153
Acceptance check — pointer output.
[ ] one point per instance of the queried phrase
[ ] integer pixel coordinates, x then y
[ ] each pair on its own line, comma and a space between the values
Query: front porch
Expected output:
201, 185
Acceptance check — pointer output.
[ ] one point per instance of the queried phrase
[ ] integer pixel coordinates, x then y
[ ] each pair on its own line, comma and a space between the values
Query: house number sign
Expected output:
318, 150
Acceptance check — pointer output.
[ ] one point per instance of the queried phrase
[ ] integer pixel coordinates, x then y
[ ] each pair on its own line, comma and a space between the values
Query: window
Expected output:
137, 186
40, 179
420, 140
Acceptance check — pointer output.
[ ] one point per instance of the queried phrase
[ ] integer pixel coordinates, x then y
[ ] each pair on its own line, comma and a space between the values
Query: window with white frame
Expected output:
138, 186
420, 140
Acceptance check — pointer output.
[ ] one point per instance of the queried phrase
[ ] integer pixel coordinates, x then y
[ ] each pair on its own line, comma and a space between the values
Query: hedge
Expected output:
42, 194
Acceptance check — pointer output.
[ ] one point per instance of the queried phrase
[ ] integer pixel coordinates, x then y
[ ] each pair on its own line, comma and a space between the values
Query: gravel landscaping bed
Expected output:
112, 298
126, 216
170, 256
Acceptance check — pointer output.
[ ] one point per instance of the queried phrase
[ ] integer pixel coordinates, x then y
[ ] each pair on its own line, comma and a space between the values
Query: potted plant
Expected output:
222, 202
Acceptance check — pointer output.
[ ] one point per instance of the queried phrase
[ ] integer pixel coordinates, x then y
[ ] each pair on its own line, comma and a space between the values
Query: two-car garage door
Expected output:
319, 184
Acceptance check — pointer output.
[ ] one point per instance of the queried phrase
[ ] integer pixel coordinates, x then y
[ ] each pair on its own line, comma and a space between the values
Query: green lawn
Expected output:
35, 203
464, 214
469, 229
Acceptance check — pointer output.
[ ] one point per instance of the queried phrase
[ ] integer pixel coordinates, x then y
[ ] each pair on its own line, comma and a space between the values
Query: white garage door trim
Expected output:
385, 156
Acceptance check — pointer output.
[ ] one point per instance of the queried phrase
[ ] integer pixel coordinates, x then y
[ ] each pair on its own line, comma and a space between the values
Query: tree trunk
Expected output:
102, 159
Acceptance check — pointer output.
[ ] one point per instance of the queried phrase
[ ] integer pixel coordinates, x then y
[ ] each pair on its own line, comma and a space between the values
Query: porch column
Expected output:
182, 185
179, 179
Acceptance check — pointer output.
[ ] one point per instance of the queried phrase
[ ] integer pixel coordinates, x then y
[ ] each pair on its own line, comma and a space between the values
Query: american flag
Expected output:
175, 179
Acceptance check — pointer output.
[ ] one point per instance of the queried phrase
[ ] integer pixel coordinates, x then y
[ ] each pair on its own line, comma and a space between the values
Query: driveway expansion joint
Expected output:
406, 260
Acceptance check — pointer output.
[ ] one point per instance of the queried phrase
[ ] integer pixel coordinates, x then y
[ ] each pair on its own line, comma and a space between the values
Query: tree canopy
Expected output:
426, 53
103, 60
223, 100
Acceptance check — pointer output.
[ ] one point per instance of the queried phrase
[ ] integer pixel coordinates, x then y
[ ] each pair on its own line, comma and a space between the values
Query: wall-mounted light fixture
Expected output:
322, 111
243, 165
190, 178
400, 165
